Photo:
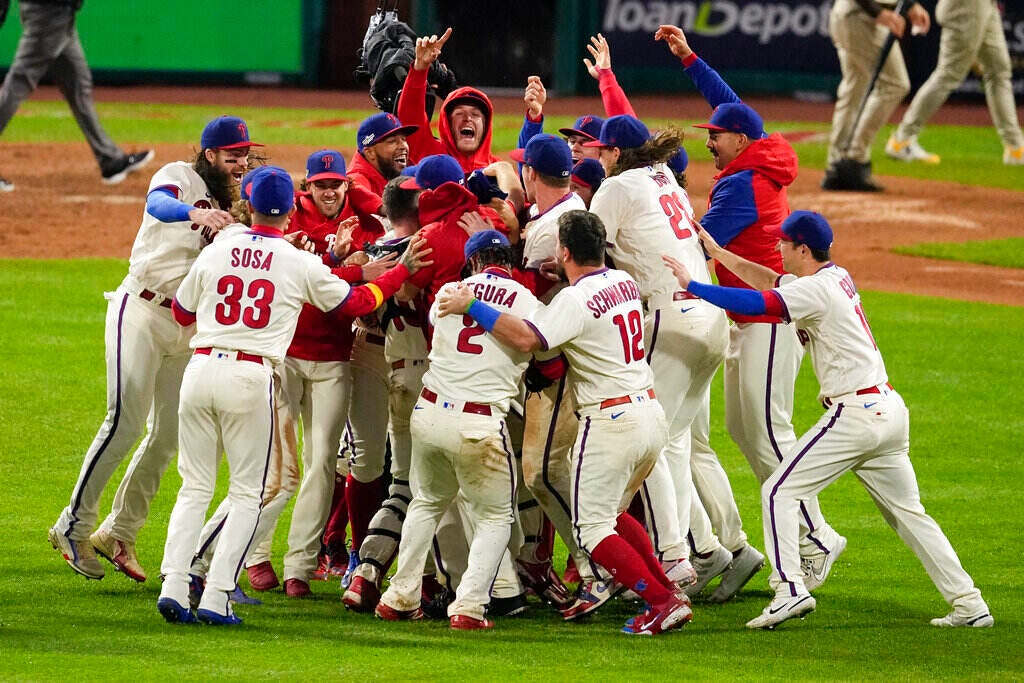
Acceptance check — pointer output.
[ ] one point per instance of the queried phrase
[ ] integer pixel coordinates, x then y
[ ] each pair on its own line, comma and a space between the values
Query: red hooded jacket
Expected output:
748, 203
422, 143
440, 210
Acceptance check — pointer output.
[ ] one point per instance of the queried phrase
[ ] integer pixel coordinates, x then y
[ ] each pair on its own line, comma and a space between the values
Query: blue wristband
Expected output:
483, 314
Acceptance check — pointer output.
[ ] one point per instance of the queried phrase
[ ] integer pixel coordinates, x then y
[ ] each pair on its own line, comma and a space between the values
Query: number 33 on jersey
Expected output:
247, 288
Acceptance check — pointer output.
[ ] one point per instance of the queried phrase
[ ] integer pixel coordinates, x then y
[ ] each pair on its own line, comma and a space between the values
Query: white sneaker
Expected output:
707, 569
817, 567
909, 150
79, 555
1014, 156
745, 564
953, 620
783, 609
681, 572
6, 185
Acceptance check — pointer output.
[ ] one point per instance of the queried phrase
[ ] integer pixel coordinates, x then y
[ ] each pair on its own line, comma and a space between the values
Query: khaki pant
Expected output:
858, 40
972, 31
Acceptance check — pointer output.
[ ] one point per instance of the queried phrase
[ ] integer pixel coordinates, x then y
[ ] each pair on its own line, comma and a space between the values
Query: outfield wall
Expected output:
760, 46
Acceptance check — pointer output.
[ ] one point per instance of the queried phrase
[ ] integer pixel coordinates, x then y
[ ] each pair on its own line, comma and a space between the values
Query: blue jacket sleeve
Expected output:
714, 89
732, 208
529, 129
744, 301
163, 205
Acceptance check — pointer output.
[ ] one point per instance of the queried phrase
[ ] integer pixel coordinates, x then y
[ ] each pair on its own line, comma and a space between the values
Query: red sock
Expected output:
334, 533
627, 567
634, 534
363, 501
546, 543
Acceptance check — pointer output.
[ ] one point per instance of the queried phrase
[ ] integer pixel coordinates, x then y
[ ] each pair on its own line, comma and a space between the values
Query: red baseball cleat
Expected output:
461, 622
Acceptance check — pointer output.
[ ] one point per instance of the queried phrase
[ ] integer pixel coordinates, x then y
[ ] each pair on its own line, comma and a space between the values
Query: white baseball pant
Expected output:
872, 438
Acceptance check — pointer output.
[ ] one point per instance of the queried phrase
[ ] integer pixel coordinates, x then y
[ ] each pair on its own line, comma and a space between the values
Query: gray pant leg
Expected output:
48, 41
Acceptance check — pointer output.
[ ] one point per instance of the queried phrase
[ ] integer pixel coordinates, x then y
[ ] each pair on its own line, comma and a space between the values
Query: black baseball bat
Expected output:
890, 40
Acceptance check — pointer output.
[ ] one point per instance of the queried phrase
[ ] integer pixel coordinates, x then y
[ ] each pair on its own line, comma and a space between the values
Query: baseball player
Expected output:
244, 296
748, 201
865, 427
597, 321
550, 425
972, 32
587, 176
858, 29
382, 152
147, 352
442, 203
459, 442
49, 43
405, 350
646, 213
316, 374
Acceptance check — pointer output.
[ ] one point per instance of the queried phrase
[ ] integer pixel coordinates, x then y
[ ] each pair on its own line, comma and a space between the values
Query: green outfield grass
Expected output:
971, 155
957, 365
1008, 253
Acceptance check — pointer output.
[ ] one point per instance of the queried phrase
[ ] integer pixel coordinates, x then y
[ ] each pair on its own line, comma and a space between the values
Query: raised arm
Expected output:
612, 95
712, 86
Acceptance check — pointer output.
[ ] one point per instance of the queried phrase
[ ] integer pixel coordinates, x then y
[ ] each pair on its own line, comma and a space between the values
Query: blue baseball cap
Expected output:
735, 117
807, 227
379, 126
679, 161
246, 189
547, 154
485, 239
623, 131
325, 164
587, 126
433, 171
588, 172
273, 192
226, 132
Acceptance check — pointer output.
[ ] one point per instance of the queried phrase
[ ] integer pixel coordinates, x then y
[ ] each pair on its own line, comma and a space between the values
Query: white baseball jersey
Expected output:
541, 230
163, 252
646, 214
598, 322
468, 364
843, 350
247, 289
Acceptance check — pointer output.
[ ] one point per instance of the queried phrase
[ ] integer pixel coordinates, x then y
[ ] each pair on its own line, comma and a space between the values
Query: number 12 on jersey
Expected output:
631, 332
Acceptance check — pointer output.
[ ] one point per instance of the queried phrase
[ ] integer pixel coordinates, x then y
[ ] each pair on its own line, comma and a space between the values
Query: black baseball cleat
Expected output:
119, 170
847, 175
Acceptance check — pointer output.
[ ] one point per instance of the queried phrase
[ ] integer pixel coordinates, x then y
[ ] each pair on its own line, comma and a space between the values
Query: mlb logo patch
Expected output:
447, 406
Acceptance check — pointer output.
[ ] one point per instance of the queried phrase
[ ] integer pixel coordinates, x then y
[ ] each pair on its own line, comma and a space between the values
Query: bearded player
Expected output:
147, 352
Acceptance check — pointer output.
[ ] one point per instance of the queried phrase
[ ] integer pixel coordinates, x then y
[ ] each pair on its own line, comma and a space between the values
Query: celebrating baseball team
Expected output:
447, 359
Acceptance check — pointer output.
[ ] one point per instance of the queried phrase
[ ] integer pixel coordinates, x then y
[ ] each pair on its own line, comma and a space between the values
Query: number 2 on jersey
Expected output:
230, 311
676, 211
631, 331
471, 329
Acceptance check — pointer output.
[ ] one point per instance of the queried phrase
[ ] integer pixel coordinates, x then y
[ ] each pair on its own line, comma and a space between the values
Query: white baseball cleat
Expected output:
954, 620
80, 555
1014, 156
745, 564
817, 567
909, 150
707, 569
783, 609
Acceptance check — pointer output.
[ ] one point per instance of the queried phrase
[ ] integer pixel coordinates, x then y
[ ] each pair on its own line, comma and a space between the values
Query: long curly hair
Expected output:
658, 150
